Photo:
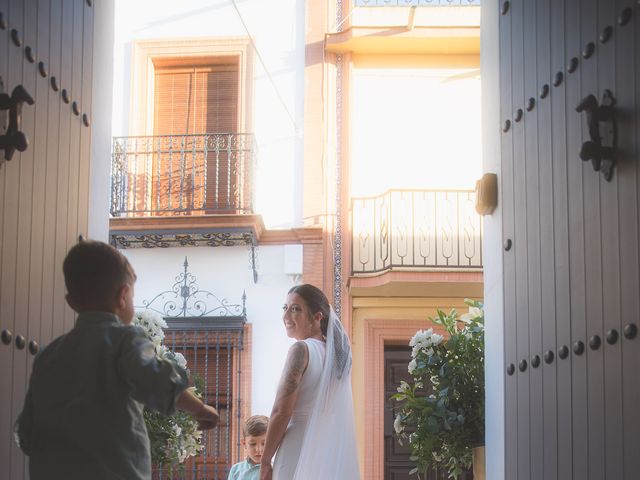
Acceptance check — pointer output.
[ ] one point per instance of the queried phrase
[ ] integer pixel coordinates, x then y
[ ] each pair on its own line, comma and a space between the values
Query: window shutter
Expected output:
196, 97
196, 100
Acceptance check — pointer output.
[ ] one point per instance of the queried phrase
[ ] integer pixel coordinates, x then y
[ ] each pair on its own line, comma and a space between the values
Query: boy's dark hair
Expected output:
316, 301
255, 426
94, 270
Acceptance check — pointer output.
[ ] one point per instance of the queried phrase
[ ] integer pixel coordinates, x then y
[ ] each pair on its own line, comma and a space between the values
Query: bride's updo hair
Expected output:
316, 300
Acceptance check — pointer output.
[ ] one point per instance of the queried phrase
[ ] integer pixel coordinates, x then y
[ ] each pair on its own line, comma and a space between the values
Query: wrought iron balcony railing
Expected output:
416, 3
416, 230
182, 174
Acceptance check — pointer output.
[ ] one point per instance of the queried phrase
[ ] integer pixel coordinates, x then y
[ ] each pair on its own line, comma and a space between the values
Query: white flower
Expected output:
185, 440
180, 360
182, 455
403, 388
175, 357
397, 425
423, 340
412, 366
422, 337
152, 324
466, 317
474, 312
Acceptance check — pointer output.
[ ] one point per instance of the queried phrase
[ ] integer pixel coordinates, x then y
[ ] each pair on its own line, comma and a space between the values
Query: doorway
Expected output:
397, 463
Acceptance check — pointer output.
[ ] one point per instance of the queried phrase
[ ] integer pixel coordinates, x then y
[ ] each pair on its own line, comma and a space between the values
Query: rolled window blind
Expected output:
196, 100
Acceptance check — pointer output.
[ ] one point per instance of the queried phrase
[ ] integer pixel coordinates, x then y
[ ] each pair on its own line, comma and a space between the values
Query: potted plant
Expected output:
441, 412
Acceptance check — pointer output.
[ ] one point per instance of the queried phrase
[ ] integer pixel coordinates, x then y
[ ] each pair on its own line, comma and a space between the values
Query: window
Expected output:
219, 356
191, 150
196, 100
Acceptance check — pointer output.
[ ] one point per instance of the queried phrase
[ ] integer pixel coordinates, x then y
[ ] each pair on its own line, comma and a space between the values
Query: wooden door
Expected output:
571, 240
47, 48
397, 463
396, 457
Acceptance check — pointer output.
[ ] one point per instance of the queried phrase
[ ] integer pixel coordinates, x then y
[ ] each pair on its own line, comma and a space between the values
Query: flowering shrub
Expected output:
441, 412
173, 438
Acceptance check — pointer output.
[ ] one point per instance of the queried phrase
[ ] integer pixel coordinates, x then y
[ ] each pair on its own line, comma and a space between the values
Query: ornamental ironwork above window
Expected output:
186, 299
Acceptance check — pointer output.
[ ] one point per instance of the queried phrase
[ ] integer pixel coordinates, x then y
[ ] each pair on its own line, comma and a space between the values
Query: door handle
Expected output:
14, 139
603, 131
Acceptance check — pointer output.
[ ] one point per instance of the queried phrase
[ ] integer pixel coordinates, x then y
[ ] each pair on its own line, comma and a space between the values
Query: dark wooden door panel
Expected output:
626, 355
559, 332
44, 191
548, 457
397, 464
6, 306
610, 461
571, 276
396, 457
16, 181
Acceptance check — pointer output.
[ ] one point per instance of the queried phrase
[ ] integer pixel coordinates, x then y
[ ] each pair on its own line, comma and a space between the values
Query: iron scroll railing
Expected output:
416, 3
209, 332
213, 353
182, 174
404, 229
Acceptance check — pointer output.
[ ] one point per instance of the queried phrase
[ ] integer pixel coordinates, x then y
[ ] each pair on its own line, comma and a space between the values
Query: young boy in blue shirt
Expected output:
82, 416
254, 433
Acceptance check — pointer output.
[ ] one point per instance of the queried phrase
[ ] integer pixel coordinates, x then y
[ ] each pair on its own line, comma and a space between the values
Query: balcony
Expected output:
416, 230
404, 27
182, 175
177, 190
416, 3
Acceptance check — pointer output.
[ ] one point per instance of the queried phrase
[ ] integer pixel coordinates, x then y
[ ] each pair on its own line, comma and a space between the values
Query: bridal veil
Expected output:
329, 447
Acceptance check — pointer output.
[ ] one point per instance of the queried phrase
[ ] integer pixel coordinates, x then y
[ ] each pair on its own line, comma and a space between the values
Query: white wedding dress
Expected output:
320, 443
287, 456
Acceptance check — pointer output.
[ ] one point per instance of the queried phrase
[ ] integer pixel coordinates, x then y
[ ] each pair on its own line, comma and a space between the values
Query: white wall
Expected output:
278, 31
492, 247
415, 128
101, 104
226, 272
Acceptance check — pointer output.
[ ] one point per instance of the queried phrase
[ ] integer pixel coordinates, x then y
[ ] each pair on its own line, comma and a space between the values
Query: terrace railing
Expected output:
416, 3
416, 230
170, 175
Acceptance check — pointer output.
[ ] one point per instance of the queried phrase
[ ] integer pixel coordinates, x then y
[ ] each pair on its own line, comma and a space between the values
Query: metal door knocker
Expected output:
14, 139
603, 130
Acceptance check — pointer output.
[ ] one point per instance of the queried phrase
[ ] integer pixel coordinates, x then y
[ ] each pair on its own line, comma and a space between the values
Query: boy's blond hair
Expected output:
255, 426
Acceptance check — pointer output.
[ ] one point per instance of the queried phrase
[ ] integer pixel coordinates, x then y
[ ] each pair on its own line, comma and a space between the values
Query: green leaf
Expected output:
432, 425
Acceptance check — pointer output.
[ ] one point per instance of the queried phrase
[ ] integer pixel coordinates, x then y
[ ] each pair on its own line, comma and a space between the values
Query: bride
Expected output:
311, 424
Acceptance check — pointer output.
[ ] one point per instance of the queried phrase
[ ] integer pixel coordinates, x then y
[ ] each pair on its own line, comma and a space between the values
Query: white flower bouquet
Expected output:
173, 438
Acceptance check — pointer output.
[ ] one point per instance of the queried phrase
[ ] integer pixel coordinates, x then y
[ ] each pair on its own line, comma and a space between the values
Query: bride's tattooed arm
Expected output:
286, 397
294, 368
